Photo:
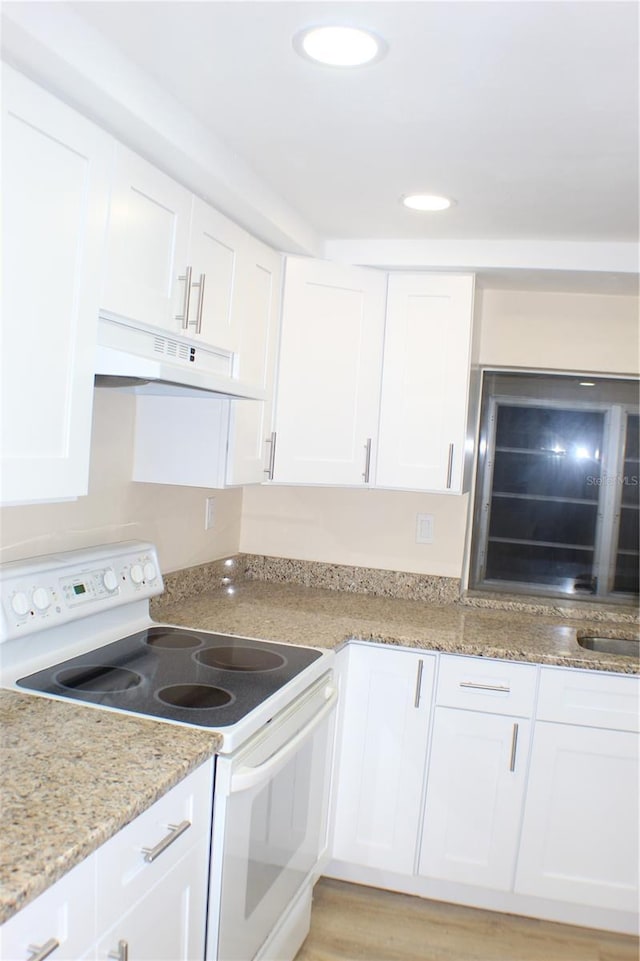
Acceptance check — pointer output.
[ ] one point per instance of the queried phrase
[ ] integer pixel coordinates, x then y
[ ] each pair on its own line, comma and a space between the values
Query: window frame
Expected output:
609, 503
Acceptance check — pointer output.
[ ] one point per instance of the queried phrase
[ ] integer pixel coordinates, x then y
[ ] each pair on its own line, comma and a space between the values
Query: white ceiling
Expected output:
525, 112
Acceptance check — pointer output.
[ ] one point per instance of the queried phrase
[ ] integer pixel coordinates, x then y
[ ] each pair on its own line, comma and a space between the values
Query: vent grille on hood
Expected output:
170, 348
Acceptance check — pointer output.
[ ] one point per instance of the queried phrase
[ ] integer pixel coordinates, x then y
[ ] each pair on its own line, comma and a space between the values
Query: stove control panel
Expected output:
57, 588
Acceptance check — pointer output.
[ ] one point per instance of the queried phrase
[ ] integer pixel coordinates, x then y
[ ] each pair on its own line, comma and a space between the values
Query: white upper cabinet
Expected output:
258, 322
425, 384
329, 374
172, 260
212, 262
146, 275
349, 413
55, 170
215, 442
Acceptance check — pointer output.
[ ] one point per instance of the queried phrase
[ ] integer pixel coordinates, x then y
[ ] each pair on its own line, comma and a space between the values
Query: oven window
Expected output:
557, 487
279, 827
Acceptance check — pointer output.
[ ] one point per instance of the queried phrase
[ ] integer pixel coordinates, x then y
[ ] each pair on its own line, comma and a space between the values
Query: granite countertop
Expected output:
72, 776
327, 618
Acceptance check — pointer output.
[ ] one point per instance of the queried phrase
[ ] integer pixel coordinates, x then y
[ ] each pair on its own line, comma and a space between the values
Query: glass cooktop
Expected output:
210, 680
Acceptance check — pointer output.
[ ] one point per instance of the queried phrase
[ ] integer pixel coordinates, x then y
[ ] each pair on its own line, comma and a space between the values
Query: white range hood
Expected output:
133, 356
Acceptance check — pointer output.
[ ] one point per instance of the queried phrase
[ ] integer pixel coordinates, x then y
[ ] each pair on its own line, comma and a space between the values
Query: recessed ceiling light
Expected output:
426, 202
586, 383
339, 46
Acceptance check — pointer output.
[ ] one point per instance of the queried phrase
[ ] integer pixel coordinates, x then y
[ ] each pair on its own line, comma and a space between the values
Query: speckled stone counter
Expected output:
327, 618
72, 777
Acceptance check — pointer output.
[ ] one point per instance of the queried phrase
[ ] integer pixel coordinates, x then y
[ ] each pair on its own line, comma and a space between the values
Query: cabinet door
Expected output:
258, 302
168, 924
213, 314
381, 757
329, 374
64, 913
147, 245
425, 382
580, 830
55, 170
475, 791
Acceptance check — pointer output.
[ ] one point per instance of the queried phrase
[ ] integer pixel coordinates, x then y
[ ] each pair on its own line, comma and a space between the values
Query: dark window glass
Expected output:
557, 484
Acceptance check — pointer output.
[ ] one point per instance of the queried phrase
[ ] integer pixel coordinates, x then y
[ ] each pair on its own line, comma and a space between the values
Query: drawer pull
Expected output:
122, 954
175, 830
514, 748
416, 700
42, 952
501, 688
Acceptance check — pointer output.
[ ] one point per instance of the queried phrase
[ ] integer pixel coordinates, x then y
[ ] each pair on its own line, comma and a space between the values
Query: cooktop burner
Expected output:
210, 680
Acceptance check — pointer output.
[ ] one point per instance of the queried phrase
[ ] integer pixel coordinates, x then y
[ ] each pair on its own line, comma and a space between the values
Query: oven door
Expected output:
272, 799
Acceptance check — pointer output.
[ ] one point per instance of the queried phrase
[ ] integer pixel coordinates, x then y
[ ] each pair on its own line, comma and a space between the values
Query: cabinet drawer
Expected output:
493, 686
589, 698
124, 874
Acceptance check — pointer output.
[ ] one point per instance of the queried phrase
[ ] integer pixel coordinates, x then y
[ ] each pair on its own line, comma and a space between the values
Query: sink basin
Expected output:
611, 645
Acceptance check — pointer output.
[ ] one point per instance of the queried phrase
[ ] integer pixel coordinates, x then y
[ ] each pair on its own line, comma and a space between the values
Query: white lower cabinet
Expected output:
141, 896
580, 831
477, 771
64, 913
381, 756
167, 924
477, 775
531, 774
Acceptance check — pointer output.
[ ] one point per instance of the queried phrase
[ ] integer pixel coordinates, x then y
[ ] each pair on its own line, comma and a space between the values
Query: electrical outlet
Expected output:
424, 528
209, 513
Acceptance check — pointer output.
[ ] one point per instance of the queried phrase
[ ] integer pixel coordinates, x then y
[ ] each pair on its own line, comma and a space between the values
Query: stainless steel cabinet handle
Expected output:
40, 952
514, 748
200, 284
272, 455
175, 830
184, 316
367, 461
450, 467
486, 687
416, 700
122, 954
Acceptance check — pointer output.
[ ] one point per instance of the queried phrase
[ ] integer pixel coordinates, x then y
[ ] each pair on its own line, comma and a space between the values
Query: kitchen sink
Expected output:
611, 645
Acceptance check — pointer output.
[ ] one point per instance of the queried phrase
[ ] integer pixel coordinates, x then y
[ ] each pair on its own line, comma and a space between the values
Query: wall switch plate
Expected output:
424, 528
209, 513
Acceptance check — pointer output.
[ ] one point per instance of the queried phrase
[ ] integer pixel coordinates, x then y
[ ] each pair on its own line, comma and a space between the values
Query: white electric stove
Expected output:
76, 626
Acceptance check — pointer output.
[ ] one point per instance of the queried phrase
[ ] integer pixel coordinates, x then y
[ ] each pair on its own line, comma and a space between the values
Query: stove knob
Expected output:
328, 692
41, 598
20, 603
137, 574
110, 580
150, 572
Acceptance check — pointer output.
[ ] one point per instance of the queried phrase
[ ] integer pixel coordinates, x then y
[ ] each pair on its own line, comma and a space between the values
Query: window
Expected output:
557, 489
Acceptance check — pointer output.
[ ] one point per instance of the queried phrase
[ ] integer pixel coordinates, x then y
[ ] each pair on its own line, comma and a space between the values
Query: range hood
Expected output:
133, 356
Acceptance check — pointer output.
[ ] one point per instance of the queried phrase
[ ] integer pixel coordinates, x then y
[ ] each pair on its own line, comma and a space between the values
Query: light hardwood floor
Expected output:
354, 923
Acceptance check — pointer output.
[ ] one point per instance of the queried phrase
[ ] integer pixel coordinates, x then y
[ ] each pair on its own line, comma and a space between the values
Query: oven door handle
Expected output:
248, 777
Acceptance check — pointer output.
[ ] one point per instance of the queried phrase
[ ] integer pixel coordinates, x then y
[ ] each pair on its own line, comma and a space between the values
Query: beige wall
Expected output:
366, 528
582, 332
118, 509
377, 528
